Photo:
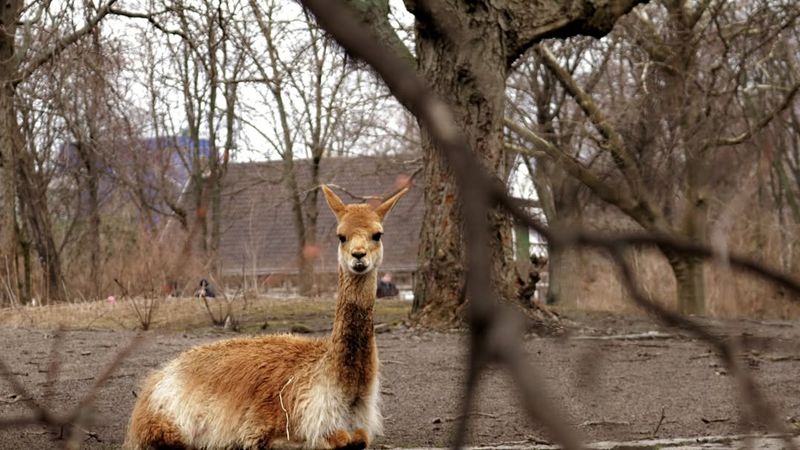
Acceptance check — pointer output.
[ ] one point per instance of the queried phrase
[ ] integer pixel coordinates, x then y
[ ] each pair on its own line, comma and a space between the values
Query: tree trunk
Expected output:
88, 154
20, 184
216, 219
94, 229
8, 220
310, 255
522, 244
555, 290
25, 283
304, 262
33, 204
689, 276
476, 95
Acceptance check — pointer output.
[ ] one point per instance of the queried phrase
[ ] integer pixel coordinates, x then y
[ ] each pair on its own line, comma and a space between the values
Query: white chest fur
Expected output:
324, 408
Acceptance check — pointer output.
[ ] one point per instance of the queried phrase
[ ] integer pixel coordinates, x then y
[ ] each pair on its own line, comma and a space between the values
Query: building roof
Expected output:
258, 233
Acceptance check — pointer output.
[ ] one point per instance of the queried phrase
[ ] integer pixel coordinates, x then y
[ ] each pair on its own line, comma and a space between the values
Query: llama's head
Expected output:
359, 228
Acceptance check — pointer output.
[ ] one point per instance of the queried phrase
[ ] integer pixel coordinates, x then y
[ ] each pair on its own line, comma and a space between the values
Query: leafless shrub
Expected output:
224, 307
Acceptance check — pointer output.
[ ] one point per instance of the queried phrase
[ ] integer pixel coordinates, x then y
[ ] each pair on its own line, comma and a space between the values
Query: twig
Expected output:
749, 392
660, 421
648, 336
594, 423
68, 423
720, 420
474, 413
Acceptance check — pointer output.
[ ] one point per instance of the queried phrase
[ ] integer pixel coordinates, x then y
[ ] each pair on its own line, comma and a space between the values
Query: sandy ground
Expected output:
610, 388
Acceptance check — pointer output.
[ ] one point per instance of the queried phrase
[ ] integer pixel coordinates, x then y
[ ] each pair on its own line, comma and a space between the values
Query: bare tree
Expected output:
464, 50
534, 99
670, 135
318, 106
204, 57
32, 37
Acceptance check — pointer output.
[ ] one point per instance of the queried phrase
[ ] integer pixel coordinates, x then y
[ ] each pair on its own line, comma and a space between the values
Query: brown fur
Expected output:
243, 381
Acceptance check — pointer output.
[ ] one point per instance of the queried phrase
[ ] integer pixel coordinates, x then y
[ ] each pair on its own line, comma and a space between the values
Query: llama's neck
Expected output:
353, 351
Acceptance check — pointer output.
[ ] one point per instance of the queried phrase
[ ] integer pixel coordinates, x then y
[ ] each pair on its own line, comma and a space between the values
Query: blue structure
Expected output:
155, 164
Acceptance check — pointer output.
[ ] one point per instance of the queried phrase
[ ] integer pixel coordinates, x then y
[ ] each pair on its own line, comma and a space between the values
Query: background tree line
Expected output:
683, 120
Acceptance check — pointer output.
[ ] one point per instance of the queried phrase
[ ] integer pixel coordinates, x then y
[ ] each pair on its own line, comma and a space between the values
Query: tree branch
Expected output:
149, 17
520, 150
615, 144
375, 14
761, 124
572, 166
64, 43
532, 24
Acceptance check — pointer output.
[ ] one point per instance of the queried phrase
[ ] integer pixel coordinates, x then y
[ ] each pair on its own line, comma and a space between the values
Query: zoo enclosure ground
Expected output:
612, 385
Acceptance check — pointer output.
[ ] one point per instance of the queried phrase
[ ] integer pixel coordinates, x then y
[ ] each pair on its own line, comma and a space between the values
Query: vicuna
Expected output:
280, 390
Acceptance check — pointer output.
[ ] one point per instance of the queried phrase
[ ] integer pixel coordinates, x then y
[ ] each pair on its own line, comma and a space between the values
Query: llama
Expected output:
280, 391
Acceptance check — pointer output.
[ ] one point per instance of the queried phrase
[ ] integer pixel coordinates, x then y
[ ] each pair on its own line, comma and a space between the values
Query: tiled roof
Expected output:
258, 233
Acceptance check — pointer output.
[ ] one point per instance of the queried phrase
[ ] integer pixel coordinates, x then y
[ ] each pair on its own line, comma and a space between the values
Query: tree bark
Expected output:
87, 151
8, 221
470, 74
689, 276
8, 132
464, 50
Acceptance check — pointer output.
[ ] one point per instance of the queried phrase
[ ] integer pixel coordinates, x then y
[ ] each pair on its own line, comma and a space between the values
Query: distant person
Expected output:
205, 290
385, 286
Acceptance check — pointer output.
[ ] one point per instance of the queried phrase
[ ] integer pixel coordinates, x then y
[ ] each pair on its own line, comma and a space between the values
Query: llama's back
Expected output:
224, 394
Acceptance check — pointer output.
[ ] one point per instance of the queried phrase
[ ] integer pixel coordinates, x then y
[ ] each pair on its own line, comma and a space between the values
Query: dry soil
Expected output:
609, 386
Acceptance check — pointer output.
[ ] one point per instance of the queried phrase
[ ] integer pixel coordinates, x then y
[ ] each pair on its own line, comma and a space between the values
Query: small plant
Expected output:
224, 317
144, 308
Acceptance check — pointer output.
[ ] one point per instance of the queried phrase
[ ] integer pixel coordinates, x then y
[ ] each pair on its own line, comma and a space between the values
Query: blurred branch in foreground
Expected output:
492, 337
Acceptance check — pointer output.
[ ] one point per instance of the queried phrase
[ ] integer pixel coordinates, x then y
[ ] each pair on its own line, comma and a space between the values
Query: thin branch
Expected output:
748, 390
151, 19
64, 43
572, 166
763, 122
520, 150
615, 144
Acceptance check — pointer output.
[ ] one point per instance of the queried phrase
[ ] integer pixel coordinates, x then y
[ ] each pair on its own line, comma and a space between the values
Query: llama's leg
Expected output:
366, 419
342, 440
360, 438
152, 431
338, 439
149, 429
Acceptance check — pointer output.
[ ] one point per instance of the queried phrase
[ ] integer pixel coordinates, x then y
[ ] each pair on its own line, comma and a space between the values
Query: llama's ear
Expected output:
384, 208
334, 202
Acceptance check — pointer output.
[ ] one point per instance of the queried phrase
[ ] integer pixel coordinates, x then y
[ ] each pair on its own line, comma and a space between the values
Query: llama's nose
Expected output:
358, 254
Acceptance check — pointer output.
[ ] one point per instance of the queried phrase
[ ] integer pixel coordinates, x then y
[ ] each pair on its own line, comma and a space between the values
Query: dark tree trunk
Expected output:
310, 255
88, 155
9, 134
20, 184
8, 173
470, 75
216, 214
304, 263
689, 276
32, 197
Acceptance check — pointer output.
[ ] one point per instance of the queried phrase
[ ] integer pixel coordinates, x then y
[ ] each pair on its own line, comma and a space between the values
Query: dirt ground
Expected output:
611, 388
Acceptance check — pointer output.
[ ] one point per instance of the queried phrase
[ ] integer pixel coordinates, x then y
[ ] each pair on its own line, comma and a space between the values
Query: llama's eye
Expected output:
342, 239
377, 236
